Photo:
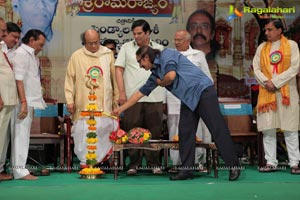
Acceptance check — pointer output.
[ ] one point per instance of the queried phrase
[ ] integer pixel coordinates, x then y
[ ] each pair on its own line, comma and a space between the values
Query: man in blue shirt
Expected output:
196, 91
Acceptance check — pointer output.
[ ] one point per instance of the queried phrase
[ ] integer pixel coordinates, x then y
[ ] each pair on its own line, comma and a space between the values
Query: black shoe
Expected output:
234, 174
181, 176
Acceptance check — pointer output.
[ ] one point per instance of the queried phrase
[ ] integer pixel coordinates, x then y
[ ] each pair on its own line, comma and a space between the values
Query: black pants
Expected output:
149, 116
208, 109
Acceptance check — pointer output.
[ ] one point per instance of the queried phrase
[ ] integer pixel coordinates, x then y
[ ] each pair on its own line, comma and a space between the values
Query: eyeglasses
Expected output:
96, 43
195, 26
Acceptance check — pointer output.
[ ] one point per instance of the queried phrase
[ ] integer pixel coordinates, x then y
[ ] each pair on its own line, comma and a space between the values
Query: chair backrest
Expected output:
238, 114
46, 121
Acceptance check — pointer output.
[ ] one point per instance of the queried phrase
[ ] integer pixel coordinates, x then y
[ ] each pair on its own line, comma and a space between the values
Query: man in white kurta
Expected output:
278, 78
8, 101
182, 41
8, 47
90, 55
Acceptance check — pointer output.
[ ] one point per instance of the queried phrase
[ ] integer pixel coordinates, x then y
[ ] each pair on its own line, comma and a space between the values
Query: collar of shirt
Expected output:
150, 43
87, 52
4, 46
27, 48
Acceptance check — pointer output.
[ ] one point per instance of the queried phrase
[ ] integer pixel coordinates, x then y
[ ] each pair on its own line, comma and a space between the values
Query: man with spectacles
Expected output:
198, 97
91, 57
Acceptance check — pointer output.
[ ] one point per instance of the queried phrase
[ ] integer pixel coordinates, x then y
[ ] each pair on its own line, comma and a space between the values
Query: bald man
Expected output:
92, 56
182, 40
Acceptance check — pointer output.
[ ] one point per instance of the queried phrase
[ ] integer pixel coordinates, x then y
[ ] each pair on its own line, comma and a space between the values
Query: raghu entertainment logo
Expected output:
233, 13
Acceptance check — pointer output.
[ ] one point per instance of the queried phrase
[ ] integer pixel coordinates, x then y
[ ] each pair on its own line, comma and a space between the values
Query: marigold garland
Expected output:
91, 136
89, 170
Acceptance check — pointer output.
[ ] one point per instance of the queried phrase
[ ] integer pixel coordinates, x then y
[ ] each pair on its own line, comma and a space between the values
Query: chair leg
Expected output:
116, 164
260, 150
61, 154
69, 156
68, 144
209, 157
215, 158
166, 159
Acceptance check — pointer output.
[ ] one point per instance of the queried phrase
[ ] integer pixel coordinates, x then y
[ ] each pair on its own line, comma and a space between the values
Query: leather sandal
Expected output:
267, 169
41, 172
45, 172
295, 170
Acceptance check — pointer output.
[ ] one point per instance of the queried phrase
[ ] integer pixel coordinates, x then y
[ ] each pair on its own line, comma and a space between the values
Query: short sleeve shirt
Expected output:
134, 76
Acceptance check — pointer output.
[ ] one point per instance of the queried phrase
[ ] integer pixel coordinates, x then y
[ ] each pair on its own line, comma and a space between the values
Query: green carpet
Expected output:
251, 185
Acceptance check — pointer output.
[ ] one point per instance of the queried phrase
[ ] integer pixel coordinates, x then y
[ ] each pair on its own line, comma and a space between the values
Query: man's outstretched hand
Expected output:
116, 112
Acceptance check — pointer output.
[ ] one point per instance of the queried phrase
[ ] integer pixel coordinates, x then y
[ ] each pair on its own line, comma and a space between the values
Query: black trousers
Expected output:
208, 109
149, 116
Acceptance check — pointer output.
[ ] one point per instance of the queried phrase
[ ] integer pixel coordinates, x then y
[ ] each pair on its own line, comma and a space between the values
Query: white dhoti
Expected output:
20, 143
105, 125
6, 115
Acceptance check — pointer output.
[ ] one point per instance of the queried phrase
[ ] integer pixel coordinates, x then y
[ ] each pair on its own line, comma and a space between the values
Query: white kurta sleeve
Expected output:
260, 77
283, 78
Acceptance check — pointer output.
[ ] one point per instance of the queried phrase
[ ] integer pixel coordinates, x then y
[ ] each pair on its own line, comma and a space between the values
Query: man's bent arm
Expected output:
130, 102
167, 80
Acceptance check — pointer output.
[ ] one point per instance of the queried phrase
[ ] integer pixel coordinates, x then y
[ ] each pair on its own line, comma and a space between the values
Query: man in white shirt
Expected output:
9, 44
182, 40
27, 75
11, 40
148, 112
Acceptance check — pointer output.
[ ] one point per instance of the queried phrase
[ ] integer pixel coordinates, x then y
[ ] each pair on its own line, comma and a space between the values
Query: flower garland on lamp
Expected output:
92, 111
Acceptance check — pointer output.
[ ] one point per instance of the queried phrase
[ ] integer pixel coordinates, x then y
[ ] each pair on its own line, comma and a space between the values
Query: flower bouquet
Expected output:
118, 137
139, 135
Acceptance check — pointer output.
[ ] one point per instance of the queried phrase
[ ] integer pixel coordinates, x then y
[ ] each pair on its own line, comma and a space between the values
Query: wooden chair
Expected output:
46, 129
238, 115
